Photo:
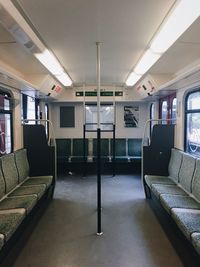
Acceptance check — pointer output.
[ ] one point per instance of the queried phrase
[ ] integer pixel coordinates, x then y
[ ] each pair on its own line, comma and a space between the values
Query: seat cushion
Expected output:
26, 202
37, 180
159, 189
1, 240
29, 190
10, 220
188, 220
169, 201
196, 241
152, 179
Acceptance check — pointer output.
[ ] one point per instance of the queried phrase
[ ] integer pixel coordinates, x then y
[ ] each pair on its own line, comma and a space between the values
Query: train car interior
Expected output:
99, 133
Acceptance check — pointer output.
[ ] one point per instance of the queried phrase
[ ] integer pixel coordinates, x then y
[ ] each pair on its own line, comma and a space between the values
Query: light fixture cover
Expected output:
132, 79
184, 13
64, 79
145, 63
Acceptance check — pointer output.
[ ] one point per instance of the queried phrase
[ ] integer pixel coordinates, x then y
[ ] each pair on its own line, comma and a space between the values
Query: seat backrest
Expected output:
63, 147
175, 164
120, 147
78, 147
104, 147
134, 147
2, 185
196, 181
186, 172
9, 170
22, 164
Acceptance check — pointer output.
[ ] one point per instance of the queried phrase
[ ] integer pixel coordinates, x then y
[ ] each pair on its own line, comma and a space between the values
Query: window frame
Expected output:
5, 92
191, 111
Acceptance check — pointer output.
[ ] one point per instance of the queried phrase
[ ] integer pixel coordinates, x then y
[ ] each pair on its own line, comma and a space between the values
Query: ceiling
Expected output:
70, 28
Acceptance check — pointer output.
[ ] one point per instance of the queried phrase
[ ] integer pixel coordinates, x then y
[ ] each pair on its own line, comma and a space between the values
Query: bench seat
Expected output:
9, 221
159, 189
38, 180
38, 190
151, 179
169, 202
26, 202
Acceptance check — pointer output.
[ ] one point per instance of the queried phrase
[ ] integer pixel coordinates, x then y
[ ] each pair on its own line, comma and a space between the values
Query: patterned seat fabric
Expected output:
29, 190
159, 189
151, 179
37, 180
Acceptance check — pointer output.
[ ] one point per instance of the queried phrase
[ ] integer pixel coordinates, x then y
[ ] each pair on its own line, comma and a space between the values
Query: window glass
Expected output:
164, 112
5, 123
192, 138
173, 116
31, 109
106, 117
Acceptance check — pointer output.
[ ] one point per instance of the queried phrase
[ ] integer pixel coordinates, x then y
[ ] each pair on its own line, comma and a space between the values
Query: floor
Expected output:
66, 234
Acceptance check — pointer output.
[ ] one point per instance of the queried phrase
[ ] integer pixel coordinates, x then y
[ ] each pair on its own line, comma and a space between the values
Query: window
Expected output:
106, 116
152, 116
29, 108
192, 123
167, 109
6, 136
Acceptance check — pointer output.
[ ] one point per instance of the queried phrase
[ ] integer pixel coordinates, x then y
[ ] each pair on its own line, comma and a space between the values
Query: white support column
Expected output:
98, 84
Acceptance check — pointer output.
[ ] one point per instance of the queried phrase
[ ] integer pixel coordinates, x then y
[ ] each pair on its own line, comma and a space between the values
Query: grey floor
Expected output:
66, 234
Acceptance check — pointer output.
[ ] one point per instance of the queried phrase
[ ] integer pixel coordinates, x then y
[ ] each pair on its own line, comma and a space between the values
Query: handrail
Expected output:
24, 121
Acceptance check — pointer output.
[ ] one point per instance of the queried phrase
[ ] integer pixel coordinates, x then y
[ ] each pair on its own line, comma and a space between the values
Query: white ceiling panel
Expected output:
71, 28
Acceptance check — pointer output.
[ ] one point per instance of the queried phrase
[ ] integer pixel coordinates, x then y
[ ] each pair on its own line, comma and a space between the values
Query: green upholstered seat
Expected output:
134, 148
175, 201
9, 171
151, 179
37, 180
186, 172
159, 189
196, 241
22, 164
1, 240
77, 149
26, 202
63, 149
188, 220
104, 149
2, 185
29, 190
196, 181
10, 220
175, 164
120, 150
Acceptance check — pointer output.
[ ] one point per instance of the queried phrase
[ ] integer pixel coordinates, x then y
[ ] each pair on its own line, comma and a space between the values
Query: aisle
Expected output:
65, 235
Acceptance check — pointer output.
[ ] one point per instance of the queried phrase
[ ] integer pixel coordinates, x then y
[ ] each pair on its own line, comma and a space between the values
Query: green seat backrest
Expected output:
186, 172
120, 147
9, 171
22, 164
175, 164
2, 185
134, 147
77, 150
196, 180
104, 147
63, 147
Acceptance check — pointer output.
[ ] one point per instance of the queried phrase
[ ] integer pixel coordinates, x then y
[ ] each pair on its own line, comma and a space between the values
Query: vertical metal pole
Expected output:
113, 149
99, 232
84, 134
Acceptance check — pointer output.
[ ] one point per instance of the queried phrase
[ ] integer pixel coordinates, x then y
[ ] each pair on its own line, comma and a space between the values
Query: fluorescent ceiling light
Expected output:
184, 13
64, 79
145, 63
50, 62
132, 79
